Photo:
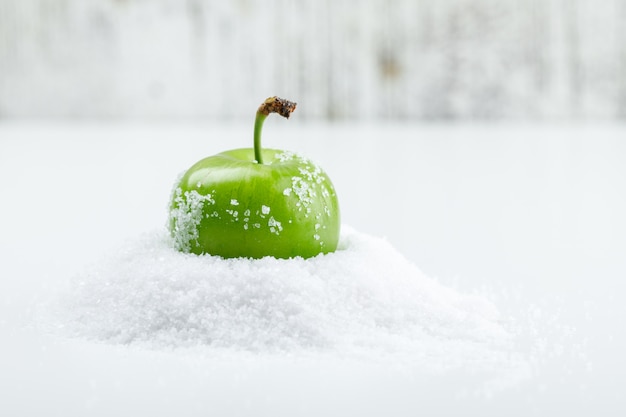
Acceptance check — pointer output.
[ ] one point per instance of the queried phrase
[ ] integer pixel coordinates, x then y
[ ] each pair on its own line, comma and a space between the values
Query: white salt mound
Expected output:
364, 298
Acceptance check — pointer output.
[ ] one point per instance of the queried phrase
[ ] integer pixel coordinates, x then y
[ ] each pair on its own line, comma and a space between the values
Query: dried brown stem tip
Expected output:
277, 105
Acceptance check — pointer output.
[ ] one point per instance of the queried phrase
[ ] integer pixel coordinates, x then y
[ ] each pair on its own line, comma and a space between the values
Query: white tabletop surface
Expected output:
532, 216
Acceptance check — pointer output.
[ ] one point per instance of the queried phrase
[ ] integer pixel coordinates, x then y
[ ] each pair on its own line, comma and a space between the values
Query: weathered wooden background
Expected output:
381, 59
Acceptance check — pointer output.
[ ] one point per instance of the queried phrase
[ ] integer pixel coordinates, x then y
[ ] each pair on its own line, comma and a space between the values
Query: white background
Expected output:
383, 59
530, 215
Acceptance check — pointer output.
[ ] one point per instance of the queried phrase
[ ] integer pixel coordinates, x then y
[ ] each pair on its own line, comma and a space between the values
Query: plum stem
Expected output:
270, 105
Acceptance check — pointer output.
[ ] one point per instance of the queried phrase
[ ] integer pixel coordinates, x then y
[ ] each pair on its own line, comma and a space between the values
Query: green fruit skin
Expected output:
231, 206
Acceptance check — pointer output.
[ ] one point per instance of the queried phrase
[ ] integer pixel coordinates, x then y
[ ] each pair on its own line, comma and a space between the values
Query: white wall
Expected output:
400, 59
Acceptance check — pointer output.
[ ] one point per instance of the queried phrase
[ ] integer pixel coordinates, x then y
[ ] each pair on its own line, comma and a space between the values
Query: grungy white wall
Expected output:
381, 59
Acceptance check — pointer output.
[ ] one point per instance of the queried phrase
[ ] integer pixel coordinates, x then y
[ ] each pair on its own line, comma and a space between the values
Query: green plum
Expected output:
256, 202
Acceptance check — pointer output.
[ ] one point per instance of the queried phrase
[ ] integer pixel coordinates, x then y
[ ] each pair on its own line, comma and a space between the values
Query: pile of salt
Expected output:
364, 299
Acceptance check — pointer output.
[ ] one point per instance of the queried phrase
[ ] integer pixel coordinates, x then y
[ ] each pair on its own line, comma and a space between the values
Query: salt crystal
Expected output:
274, 225
186, 215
